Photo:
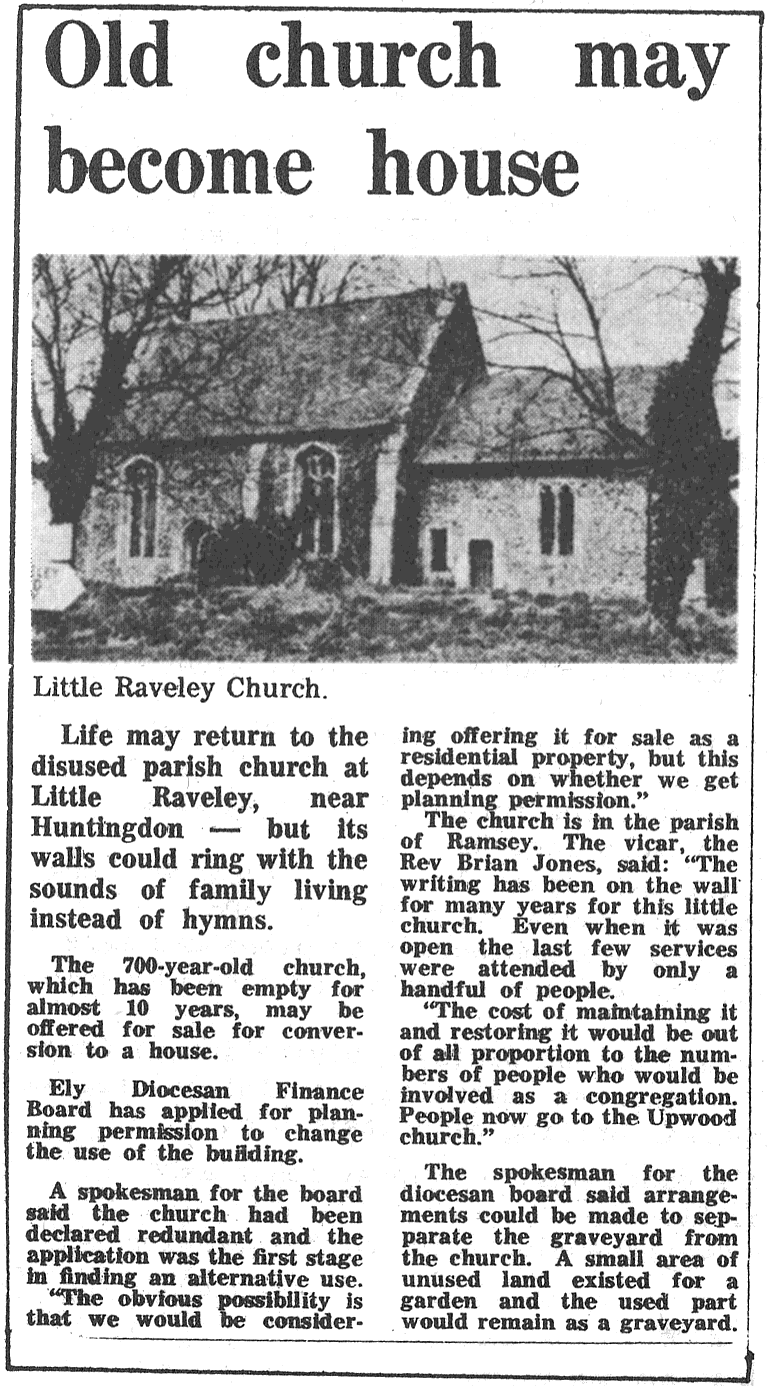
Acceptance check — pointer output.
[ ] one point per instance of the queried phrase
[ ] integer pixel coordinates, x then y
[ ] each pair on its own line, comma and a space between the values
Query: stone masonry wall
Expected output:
455, 363
355, 479
207, 484
610, 533
202, 484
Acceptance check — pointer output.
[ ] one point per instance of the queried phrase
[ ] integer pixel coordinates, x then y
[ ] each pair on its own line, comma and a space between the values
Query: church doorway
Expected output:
481, 565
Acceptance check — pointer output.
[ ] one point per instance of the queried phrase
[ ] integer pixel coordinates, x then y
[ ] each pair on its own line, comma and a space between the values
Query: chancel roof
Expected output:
518, 417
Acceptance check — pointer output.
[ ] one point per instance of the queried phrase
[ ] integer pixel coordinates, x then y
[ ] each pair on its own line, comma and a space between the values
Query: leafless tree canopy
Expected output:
94, 315
561, 307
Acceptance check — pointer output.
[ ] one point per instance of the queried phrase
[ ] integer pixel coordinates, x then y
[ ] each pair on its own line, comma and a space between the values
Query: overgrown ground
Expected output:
363, 623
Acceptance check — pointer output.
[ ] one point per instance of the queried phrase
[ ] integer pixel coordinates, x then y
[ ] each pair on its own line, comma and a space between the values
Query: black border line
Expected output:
393, 1376
749, 1354
419, 1342
383, 9
11, 645
409, 1376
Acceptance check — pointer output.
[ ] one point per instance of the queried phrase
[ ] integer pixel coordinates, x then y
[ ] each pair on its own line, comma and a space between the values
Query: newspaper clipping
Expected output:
378, 940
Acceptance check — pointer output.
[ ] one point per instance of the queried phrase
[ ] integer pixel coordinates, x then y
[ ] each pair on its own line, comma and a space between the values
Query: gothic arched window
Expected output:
141, 482
316, 476
196, 539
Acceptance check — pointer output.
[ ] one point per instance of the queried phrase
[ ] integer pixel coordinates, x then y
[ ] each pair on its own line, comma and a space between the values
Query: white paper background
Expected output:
660, 175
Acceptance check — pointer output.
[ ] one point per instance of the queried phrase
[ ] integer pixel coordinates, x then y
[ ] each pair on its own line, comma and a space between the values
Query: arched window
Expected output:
195, 537
556, 520
316, 475
141, 482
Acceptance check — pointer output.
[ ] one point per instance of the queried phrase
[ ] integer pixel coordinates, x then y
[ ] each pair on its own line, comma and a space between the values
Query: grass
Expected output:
175, 622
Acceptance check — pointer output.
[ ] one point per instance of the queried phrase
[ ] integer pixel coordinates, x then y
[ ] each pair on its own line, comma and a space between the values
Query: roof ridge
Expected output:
498, 370
451, 291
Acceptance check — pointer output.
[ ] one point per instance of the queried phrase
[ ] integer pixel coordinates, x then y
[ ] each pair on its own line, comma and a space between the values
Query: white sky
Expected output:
648, 310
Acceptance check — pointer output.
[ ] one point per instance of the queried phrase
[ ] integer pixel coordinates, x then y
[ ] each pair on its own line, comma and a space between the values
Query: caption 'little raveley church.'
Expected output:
375, 426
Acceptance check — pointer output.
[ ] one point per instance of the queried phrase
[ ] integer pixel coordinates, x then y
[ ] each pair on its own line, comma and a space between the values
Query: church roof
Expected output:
528, 416
521, 417
339, 366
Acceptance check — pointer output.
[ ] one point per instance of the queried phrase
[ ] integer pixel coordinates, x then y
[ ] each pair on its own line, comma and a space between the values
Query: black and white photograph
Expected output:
385, 458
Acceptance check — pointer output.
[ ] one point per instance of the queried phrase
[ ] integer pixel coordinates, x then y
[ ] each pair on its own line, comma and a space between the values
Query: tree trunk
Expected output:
68, 477
691, 476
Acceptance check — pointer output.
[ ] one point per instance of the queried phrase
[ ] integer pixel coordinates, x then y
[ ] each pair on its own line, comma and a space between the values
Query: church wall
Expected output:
356, 458
609, 533
200, 484
215, 485
455, 363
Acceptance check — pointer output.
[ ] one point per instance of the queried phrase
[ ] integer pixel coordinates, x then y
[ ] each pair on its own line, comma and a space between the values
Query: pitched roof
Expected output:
523, 416
520, 417
339, 366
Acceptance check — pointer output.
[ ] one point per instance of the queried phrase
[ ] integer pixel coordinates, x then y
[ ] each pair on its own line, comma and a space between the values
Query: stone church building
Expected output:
376, 426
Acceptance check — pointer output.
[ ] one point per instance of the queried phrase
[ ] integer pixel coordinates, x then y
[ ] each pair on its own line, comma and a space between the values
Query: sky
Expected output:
648, 310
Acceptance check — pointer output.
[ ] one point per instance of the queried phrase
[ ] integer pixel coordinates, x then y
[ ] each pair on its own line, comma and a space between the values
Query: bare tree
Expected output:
304, 281
92, 316
559, 308
690, 500
96, 316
